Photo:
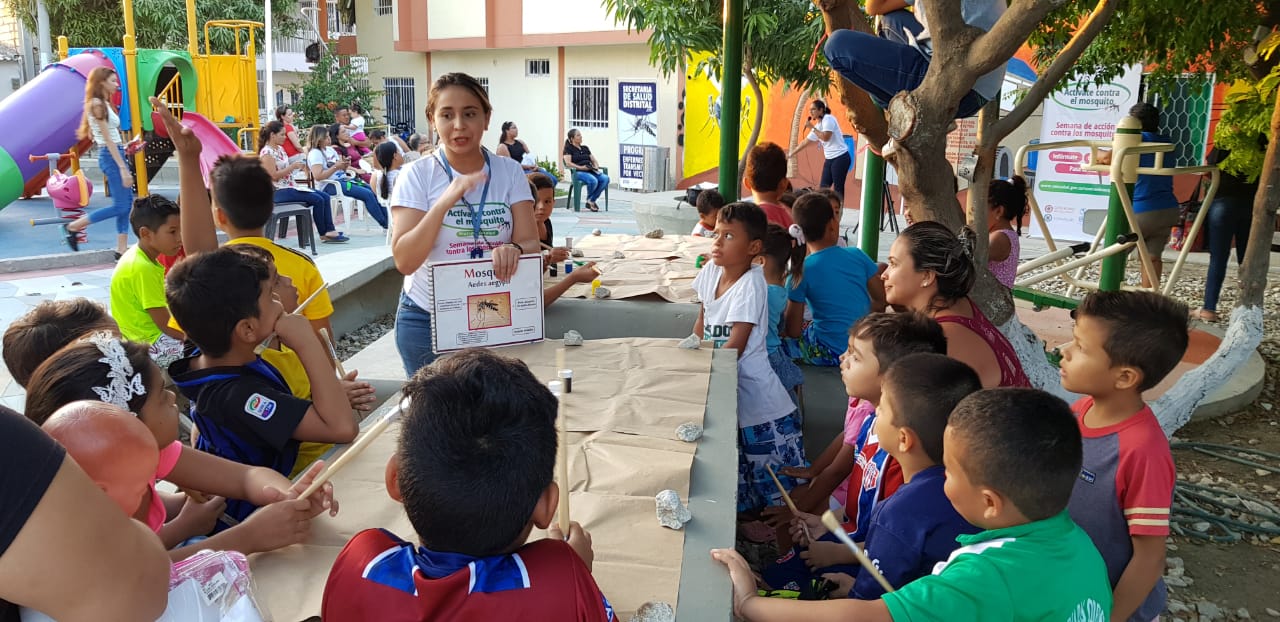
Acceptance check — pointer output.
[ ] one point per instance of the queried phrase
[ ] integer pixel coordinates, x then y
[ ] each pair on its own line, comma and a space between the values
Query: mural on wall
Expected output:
702, 107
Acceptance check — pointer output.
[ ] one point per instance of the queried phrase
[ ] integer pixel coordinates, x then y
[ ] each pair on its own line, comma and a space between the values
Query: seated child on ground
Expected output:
779, 251
709, 204
1006, 205
245, 410
473, 469
1012, 457
137, 285
101, 367
840, 285
1124, 343
554, 257
735, 314
916, 527
113, 447
876, 342
45, 329
766, 178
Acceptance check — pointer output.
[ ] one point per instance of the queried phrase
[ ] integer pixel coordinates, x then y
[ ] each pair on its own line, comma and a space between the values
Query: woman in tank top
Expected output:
512, 147
101, 122
931, 270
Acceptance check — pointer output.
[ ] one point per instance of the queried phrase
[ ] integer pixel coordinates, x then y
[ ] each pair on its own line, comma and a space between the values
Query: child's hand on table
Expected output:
810, 522
744, 583
359, 393
579, 540
557, 255
824, 554
585, 274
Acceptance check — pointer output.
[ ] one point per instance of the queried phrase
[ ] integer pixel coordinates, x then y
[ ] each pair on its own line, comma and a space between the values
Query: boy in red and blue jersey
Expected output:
1124, 343
473, 469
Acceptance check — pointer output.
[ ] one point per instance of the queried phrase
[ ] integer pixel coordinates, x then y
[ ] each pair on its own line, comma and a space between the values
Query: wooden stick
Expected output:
266, 343
832, 524
333, 352
790, 504
354, 450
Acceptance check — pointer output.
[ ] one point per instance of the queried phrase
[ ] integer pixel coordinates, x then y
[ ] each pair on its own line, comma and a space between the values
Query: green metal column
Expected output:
731, 99
872, 199
1128, 134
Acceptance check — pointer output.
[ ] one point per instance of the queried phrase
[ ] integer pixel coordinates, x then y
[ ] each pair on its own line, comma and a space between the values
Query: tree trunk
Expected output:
757, 117
793, 165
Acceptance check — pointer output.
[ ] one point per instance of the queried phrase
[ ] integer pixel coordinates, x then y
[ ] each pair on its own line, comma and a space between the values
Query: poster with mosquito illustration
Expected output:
637, 128
472, 308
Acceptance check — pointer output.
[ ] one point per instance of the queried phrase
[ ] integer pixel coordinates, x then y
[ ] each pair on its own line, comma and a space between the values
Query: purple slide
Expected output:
42, 117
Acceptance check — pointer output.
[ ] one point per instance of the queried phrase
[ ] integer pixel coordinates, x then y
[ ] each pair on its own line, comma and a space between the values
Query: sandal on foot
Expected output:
71, 238
337, 239
591, 205
1204, 315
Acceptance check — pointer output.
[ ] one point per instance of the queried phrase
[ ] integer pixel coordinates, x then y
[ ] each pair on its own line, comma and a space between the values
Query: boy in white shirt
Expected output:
735, 314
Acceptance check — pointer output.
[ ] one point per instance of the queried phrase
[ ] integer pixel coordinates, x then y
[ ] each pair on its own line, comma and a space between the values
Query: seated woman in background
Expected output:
577, 158
271, 140
512, 147
331, 172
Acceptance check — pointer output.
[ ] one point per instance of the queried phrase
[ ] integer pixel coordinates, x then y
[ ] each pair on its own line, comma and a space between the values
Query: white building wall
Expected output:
452, 19
623, 62
377, 42
566, 16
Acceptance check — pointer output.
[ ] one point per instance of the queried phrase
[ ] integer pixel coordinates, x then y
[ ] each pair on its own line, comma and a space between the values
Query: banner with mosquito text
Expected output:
637, 129
1072, 198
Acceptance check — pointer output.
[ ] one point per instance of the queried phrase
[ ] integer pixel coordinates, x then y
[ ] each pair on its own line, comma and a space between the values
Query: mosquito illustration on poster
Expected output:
489, 311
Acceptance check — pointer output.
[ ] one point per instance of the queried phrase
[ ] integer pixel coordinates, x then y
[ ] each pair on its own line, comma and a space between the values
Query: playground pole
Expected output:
193, 41
731, 99
872, 196
1128, 134
135, 99
268, 51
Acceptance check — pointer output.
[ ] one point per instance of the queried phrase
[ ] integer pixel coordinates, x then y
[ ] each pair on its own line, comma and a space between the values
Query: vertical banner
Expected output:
637, 128
1074, 200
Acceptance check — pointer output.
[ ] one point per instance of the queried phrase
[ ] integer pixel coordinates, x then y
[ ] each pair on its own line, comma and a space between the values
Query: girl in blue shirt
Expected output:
839, 285
779, 251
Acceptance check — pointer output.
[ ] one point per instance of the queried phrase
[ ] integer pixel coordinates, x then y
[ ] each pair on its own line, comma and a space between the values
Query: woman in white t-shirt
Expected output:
272, 140
457, 203
331, 171
824, 128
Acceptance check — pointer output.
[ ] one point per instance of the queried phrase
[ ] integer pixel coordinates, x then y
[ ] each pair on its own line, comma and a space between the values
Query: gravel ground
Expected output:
359, 339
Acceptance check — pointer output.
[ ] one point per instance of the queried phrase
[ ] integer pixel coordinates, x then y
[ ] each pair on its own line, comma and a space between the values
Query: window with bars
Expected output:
537, 67
398, 101
484, 82
589, 102
382, 7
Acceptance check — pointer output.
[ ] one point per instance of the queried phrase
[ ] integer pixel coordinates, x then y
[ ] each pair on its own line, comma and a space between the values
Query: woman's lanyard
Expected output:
477, 211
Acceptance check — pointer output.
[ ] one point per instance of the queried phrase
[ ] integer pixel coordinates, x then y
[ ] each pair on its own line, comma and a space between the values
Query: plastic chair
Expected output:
279, 221
339, 201
576, 188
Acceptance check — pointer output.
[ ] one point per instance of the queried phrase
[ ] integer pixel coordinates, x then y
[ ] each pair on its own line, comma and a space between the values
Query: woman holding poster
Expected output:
460, 202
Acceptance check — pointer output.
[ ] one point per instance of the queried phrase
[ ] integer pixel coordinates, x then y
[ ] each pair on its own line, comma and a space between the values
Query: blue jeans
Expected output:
834, 172
121, 196
596, 183
319, 206
893, 23
413, 336
883, 68
363, 194
1229, 218
554, 180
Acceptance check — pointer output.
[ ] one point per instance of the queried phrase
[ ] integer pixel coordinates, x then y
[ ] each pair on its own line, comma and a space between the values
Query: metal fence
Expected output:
589, 102
399, 103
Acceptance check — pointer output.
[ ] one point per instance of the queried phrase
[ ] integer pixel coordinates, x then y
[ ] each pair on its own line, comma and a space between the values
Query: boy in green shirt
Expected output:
137, 285
1011, 457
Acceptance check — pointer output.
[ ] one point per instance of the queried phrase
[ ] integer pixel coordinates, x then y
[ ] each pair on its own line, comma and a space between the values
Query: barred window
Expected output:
589, 102
537, 67
382, 7
398, 100
484, 82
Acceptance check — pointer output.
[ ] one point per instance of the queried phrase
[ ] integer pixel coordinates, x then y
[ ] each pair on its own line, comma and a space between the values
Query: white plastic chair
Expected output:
376, 183
339, 201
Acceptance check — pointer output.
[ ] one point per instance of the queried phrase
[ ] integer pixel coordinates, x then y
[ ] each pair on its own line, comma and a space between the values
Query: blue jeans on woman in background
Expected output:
121, 195
1229, 219
363, 194
319, 203
413, 336
596, 183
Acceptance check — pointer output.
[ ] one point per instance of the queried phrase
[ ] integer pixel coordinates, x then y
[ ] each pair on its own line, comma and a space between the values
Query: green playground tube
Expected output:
11, 182
150, 65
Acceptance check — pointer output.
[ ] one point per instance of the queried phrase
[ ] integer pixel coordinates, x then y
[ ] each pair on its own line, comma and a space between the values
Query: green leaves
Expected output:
1245, 124
334, 81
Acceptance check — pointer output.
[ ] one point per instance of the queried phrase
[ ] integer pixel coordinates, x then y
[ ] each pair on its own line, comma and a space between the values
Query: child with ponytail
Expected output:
1007, 204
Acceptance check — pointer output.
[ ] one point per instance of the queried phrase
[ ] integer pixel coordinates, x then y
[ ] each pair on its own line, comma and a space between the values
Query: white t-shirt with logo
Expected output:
423, 181
834, 147
761, 396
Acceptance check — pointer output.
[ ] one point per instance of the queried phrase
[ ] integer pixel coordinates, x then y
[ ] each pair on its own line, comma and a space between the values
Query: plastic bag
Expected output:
212, 586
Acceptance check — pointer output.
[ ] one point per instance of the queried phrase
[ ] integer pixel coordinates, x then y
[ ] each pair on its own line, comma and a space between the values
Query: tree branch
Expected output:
1050, 77
997, 46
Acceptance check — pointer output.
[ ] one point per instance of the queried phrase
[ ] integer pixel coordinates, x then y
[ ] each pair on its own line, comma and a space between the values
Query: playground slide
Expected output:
216, 142
40, 118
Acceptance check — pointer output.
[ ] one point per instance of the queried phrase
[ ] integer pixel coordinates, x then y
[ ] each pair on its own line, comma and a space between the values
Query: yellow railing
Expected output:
171, 95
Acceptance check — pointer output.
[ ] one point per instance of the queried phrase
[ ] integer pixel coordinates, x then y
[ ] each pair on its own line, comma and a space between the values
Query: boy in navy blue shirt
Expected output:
917, 526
